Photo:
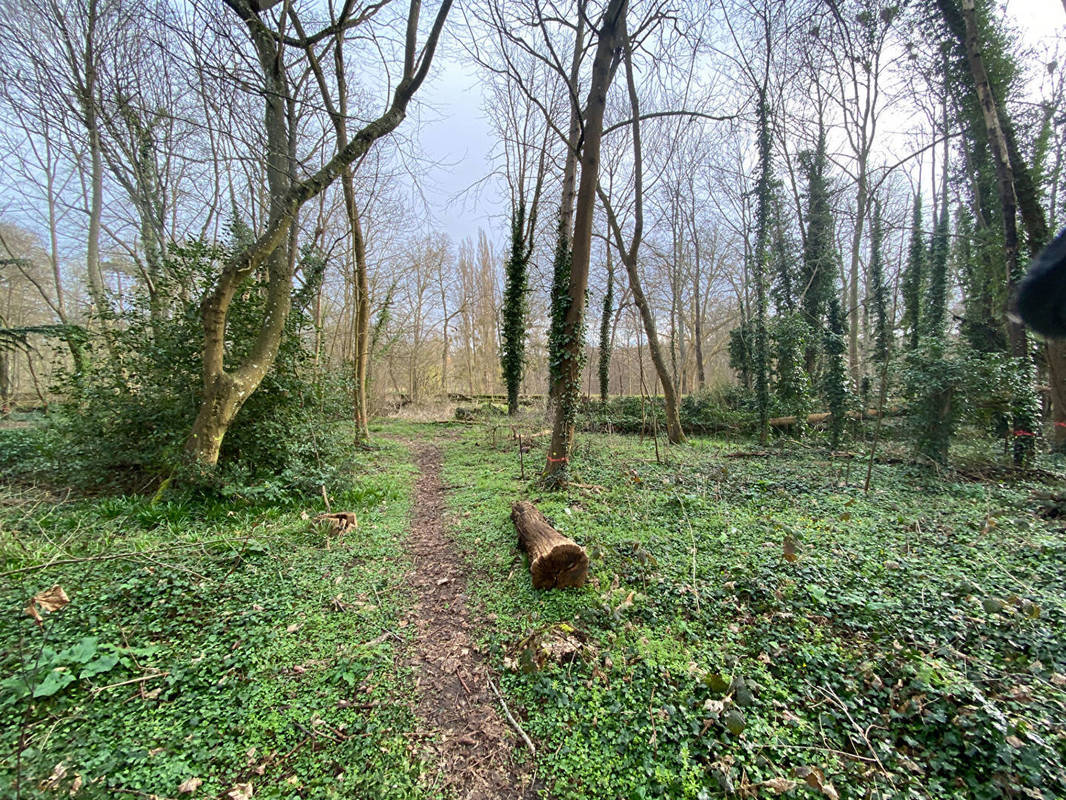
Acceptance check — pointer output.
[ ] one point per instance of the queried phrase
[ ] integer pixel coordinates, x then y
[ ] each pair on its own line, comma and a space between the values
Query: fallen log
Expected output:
555, 561
822, 416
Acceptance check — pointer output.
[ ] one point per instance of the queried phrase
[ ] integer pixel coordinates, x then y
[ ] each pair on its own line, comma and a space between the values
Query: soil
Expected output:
467, 733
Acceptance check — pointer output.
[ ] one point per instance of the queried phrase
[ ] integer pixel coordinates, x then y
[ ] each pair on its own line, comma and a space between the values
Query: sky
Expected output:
457, 138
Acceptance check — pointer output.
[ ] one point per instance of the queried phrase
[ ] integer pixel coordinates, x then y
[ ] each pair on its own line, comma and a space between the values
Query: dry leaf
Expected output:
46, 602
190, 785
790, 553
292, 628
778, 785
51, 783
242, 791
816, 780
75, 785
1058, 679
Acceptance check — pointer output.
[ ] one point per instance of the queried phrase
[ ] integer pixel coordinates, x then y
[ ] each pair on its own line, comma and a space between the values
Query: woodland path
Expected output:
467, 736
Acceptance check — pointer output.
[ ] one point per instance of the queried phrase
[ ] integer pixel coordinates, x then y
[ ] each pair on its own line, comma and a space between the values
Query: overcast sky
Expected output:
457, 137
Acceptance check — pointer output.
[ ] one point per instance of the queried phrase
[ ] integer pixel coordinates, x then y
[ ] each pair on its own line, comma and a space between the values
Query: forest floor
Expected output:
755, 624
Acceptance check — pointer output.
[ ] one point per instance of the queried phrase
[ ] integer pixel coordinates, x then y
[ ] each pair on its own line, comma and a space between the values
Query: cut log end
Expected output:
555, 561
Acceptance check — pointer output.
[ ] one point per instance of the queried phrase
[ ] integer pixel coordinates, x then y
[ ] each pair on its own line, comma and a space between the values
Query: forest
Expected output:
559, 399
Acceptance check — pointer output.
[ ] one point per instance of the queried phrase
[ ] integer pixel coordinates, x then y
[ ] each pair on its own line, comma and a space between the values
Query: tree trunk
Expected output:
224, 392
573, 326
1056, 362
861, 198
565, 234
673, 417
555, 561
362, 331
1000, 156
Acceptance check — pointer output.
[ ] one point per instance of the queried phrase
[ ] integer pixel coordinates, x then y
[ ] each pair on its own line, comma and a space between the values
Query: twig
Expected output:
829, 693
325, 499
113, 556
460, 677
511, 719
141, 679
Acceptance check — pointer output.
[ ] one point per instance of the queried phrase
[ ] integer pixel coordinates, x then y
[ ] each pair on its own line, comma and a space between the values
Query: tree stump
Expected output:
555, 561
337, 523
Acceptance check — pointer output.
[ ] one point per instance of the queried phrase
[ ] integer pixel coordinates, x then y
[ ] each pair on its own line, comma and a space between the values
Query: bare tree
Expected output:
225, 390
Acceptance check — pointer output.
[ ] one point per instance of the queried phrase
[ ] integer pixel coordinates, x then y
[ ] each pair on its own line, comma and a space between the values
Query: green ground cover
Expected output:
759, 625
239, 646
752, 626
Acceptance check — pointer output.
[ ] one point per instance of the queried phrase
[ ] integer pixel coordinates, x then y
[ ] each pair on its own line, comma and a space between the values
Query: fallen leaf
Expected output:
778, 785
242, 791
815, 778
75, 785
46, 602
51, 783
1015, 742
443, 581
292, 628
190, 785
1058, 679
790, 549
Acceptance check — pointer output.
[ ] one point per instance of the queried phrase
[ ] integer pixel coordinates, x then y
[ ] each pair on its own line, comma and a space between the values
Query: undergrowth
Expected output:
759, 625
222, 643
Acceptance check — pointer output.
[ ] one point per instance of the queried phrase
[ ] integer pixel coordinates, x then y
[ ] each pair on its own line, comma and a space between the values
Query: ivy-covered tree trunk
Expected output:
878, 295
563, 258
819, 257
835, 381
513, 333
605, 332
571, 338
1056, 363
914, 279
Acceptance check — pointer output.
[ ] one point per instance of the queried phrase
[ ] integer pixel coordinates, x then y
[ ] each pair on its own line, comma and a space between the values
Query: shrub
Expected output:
126, 417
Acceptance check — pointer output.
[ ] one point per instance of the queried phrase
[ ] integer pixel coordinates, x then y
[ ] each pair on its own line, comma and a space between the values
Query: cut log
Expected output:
555, 561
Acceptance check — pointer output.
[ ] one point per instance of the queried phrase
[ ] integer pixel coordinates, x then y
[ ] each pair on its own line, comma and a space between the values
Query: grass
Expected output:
236, 645
761, 625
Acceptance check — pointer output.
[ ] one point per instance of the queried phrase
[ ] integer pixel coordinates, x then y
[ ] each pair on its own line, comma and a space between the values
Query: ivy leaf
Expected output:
82, 652
817, 592
101, 665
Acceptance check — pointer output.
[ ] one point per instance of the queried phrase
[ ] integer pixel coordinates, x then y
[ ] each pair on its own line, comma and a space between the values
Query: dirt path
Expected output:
468, 736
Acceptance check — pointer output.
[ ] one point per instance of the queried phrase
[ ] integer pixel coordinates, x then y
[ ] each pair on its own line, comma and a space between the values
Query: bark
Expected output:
362, 330
1056, 362
573, 327
555, 561
670, 402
